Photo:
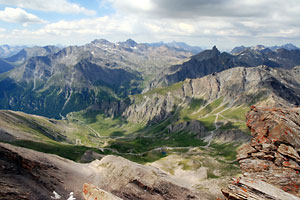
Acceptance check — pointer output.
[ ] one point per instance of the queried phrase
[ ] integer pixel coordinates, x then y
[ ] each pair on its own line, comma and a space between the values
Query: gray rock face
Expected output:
237, 86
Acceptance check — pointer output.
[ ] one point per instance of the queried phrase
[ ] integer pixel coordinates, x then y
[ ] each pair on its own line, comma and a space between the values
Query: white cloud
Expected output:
233, 20
198, 22
18, 15
190, 8
60, 6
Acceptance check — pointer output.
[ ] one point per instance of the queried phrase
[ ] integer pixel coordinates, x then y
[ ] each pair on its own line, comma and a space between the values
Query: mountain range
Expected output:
239, 49
211, 61
47, 80
8, 51
180, 45
180, 115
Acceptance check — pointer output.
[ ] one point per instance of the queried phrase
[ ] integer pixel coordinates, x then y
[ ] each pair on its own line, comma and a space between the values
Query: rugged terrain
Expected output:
187, 132
212, 61
239, 49
25, 54
44, 174
270, 162
53, 83
219, 94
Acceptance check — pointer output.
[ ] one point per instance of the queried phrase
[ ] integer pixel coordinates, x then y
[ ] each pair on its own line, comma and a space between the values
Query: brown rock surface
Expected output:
91, 192
27, 174
270, 162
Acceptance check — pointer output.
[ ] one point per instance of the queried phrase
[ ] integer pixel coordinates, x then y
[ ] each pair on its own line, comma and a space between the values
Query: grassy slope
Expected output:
127, 137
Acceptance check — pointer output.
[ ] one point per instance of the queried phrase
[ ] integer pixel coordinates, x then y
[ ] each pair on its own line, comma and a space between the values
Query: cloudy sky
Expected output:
225, 23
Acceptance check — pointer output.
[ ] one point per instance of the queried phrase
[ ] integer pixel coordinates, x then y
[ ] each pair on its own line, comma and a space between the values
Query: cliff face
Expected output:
237, 86
271, 161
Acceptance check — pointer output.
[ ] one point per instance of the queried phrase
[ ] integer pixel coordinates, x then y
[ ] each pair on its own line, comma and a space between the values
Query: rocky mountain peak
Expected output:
130, 43
101, 42
289, 46
214, 48
207, 54
237, 50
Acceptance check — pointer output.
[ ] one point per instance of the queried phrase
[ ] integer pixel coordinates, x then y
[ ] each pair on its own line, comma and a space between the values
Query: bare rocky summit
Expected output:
270, 162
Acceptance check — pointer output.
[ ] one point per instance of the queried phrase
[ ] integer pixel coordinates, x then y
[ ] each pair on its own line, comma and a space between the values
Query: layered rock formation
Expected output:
270, 162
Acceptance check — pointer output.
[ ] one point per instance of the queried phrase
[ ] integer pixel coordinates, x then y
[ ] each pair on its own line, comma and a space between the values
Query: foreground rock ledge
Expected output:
31, 175
271, 161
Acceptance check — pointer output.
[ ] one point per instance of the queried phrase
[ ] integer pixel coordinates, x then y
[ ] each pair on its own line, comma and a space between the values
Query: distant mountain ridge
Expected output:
8, 50
180, 45
212, 61
29, 52
239, 49
53, 82
20, 57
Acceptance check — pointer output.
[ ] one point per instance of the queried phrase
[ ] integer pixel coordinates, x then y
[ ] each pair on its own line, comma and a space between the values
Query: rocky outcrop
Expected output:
271, 161
151, 109
27, 174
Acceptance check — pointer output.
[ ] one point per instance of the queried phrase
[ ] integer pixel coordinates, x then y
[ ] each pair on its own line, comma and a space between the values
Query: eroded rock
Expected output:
270, 162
